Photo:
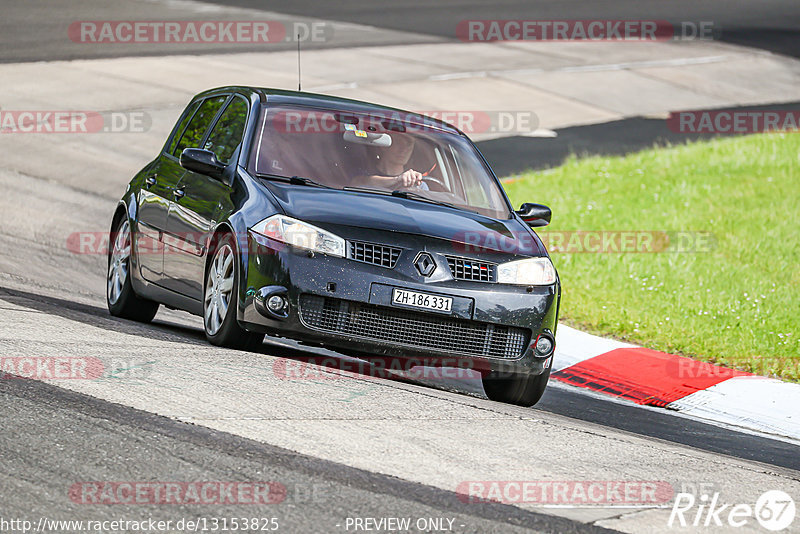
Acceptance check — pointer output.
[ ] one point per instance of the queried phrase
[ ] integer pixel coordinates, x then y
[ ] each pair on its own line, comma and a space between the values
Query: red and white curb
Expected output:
652, 378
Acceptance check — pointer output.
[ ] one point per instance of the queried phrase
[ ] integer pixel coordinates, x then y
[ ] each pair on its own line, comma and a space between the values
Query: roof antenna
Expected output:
298, 63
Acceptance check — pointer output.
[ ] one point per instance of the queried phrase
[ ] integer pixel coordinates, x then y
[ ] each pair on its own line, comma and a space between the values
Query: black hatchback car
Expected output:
366, 229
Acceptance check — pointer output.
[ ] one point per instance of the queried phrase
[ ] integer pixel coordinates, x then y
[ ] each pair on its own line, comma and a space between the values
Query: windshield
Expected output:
379, 152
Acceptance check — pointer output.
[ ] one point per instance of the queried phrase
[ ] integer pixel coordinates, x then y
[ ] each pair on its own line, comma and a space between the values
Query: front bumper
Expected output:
346, 305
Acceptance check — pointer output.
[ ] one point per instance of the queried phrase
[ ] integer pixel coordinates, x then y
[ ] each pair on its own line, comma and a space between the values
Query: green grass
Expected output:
738, 304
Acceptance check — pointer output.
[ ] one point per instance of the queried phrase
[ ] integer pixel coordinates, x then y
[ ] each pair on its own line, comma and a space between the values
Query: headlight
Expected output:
530, 272
300, 234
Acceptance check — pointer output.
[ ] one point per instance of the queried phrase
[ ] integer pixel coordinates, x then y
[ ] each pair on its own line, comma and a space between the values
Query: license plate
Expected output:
402, 297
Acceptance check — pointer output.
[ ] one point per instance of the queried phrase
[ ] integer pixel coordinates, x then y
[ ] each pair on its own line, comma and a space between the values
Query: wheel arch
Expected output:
220, 230
119, 212
239, 239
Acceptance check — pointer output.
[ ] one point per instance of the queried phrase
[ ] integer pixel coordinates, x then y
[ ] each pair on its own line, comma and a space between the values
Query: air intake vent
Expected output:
471, 270
414, 329
382, 255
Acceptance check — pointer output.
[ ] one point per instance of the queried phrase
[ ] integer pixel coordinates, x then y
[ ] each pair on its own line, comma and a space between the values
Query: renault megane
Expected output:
366, 229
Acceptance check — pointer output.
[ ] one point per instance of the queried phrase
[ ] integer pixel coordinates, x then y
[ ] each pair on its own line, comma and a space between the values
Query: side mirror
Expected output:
201, 161
535, 214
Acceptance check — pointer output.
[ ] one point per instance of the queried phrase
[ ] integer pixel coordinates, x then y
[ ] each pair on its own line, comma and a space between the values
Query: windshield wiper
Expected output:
294, 180
367, 190
404, 194
416, 196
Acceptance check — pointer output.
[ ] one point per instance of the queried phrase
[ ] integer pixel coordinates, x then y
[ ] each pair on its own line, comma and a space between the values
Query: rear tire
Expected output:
220, 299
122, 301
519, 389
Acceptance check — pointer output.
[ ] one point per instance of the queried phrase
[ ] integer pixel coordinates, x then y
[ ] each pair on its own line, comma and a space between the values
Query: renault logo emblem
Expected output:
425, 264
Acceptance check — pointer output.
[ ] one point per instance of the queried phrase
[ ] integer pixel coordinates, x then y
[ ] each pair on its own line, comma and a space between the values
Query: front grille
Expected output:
471, 270
382, 255
417, 329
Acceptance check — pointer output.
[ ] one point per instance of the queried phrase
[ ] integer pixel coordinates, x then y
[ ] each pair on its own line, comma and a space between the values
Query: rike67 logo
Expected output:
774, 510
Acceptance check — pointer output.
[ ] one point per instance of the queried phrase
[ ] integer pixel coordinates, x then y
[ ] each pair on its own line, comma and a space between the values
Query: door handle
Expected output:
150, 180
178, 193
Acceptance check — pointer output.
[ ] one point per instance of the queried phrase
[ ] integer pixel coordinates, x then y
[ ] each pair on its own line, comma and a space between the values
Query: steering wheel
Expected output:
436, 181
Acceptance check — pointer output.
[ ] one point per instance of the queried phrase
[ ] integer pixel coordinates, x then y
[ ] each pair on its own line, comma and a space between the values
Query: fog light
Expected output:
276, 303
544, 346
272, 302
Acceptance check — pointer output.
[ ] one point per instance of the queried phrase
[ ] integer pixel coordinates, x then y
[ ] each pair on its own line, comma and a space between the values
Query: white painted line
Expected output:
755, 404
333, 87
541, 132
557, 384
457, 76
764, 404
678, 62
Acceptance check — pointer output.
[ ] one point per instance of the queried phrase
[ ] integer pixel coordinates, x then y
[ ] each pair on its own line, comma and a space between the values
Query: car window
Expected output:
374, 150
227, 133
178, 130
193, 135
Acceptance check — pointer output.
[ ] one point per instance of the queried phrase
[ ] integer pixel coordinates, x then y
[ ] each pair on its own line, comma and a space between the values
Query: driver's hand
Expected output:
410, 178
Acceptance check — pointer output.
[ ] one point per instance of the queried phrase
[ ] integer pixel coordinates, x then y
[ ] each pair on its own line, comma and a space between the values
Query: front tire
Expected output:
520, 389
220, 298
122, 301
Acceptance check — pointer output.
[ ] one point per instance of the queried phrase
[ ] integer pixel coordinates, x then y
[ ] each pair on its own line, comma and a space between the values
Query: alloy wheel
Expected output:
118, 265
219, 289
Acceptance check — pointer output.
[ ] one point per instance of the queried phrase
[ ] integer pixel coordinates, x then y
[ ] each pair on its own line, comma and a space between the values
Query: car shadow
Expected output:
563, 401
308, 359
99, 317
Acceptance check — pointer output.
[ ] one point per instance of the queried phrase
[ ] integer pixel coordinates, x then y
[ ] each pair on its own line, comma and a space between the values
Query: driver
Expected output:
391, 165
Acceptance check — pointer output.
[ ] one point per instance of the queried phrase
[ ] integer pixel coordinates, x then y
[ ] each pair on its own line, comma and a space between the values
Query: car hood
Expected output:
331, 208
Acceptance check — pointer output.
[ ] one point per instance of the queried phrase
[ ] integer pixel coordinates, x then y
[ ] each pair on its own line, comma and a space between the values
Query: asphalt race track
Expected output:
39, 418
771, 25
343, 445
